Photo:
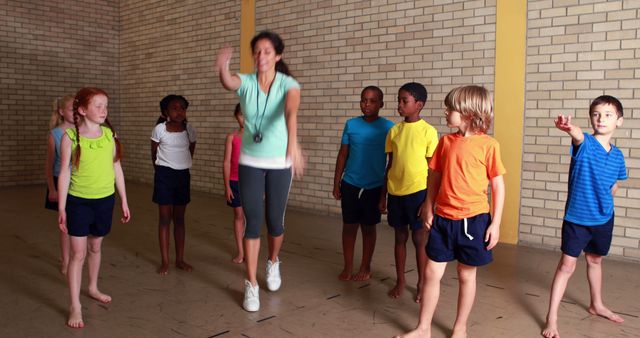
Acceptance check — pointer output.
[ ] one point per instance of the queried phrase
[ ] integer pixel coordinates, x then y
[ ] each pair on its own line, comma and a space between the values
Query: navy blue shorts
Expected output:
448, 240
359, 206
591, 239
171, 187
51, 205
89, 216
403, 210
236, 202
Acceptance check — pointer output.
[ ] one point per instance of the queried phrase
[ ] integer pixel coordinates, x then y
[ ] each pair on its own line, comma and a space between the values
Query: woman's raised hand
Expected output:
224, 58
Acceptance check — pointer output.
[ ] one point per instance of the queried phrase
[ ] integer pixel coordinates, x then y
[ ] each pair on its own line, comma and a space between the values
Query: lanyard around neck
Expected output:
260, 117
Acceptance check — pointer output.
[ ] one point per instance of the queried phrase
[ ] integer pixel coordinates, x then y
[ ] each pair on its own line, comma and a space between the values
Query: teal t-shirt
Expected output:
264, 113
367, 160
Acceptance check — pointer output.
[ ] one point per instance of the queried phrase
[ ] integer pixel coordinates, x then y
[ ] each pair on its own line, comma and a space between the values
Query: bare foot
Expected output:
182, 265
460, 333
163, 269
345, 274
397, 290
238, 259
362, 275
551, 331
417, 333
418, 294
75, 318
99, 296
606, 313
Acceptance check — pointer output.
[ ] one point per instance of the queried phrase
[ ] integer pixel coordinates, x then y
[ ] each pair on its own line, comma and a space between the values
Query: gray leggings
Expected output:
259, 187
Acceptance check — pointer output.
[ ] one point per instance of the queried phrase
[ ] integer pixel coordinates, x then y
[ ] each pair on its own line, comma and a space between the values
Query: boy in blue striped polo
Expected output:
596, 166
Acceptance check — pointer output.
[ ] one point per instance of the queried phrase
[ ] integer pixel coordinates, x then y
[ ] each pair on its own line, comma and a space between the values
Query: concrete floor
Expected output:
511, 299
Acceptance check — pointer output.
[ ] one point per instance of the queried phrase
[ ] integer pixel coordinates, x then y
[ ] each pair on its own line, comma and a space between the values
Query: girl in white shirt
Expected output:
173, 143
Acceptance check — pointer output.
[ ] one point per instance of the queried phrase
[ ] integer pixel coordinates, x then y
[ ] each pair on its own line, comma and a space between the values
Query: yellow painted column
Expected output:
247, 31
509, 105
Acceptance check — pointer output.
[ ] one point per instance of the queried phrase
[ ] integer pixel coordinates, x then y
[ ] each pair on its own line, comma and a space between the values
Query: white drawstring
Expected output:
360, 193
466, 232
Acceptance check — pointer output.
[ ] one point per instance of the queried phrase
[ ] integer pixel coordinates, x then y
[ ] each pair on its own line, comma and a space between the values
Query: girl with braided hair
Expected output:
86, 195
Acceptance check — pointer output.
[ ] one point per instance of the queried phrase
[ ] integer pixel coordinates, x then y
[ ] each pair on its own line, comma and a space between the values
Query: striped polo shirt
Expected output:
592, 174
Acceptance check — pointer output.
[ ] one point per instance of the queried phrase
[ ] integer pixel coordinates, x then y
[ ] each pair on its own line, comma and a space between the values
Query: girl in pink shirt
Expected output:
230, 175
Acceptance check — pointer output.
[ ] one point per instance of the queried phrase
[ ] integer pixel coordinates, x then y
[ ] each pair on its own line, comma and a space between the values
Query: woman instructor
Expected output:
270, 154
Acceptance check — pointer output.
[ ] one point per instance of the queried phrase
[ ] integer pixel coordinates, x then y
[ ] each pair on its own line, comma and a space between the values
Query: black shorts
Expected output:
403, 210
236, 202
171, 186
359, 206
590, 239
51, 205
89, 216
454, 240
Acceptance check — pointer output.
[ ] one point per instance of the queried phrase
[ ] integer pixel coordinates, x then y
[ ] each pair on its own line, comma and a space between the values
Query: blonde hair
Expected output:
474, 105
58, 104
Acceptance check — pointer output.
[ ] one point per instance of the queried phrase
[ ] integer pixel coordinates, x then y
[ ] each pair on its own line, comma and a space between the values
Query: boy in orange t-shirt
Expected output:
463, 165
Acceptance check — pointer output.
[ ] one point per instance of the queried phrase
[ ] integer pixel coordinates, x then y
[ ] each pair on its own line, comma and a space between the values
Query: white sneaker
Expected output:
251, 297
273, 275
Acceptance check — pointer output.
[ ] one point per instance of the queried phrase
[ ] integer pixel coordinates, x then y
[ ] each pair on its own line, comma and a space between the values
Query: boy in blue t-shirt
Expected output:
596, 166
358, 180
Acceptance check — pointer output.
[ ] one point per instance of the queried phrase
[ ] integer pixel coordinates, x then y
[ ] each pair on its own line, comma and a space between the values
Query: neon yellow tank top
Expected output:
95, 177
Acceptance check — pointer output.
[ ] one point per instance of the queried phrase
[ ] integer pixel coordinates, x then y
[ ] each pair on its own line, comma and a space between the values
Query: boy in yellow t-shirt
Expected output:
410, 145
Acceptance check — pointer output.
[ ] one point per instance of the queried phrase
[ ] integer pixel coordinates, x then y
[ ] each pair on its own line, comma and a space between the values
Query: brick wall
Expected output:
337, 48
49, 49
140, 52
576, 51
171, 47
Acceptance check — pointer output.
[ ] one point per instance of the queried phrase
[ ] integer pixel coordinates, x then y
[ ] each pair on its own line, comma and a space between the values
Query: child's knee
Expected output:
77, 256
401, 236
368, 230
419, 240
94, 246
93, 249
178, 221
434, 271
567, 265
593, 259
466, 273
164, 221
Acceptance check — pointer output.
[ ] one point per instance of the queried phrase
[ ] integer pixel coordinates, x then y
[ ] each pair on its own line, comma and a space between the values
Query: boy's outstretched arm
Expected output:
497, 195
341, 161
563, 122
